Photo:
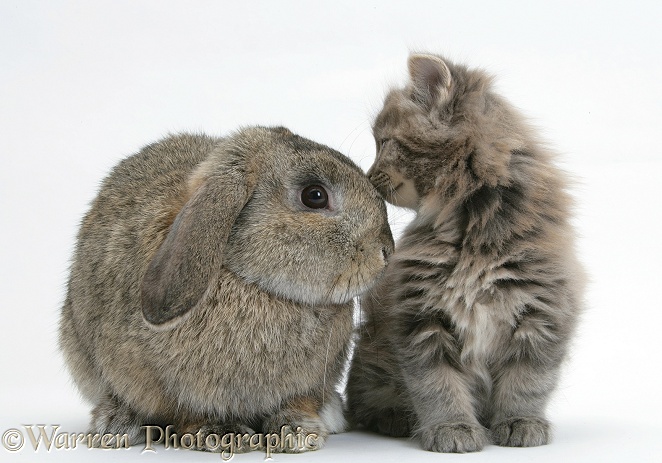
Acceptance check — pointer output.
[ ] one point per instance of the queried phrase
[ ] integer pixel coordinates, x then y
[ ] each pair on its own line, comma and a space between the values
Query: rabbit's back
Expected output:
147, 182
126, 223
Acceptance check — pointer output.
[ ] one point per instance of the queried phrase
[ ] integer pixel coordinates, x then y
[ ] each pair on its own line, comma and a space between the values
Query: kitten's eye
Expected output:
315, 197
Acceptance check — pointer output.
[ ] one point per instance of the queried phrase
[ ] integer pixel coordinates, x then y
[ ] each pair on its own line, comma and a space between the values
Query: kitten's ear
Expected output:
430, 76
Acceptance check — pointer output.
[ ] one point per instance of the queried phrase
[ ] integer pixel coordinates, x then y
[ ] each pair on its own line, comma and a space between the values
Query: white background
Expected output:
84, 84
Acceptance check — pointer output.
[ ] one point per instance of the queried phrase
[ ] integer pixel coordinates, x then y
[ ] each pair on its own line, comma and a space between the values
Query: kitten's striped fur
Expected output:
464, 335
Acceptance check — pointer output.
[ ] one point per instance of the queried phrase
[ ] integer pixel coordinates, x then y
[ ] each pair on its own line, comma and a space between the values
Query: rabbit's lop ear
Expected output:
180, 271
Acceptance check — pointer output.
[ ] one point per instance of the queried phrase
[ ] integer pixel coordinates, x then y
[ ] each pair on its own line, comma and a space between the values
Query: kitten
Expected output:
465, 333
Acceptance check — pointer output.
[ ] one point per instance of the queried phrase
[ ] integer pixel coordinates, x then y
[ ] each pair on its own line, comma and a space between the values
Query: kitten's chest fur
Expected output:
481, 325
437, 279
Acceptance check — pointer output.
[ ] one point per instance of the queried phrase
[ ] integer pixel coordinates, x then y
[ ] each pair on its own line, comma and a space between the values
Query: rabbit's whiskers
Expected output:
332, 289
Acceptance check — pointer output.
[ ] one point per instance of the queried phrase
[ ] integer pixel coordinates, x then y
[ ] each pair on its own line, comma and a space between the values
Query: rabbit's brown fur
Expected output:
204, 294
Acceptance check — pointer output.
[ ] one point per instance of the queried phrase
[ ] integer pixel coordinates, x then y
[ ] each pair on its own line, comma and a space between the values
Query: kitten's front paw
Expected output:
521, 432
454, 438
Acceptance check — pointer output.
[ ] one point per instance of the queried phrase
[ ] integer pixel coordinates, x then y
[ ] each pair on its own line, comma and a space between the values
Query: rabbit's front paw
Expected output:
295, 429
296, 438
111, 416
227, 437
521, 432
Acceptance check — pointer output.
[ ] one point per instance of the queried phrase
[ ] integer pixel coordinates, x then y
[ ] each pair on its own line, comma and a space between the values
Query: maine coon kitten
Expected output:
465, 333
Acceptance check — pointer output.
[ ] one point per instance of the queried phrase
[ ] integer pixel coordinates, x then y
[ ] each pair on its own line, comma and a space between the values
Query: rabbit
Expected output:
212, 285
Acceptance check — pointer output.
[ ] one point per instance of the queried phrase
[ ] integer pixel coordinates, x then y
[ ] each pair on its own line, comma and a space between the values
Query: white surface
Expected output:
83, 84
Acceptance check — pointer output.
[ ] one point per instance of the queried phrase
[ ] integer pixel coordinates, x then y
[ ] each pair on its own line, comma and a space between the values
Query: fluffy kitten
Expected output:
465, 333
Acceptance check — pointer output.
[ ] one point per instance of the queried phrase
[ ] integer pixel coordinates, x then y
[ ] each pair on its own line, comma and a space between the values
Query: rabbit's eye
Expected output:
314, 197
